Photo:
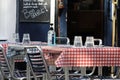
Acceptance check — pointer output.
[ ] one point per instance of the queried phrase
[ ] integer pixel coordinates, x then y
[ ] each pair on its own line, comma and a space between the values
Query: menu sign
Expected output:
34, 10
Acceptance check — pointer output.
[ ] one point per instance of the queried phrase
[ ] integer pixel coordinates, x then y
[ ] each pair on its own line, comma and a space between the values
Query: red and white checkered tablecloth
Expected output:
101, 56
5, 46
97, 56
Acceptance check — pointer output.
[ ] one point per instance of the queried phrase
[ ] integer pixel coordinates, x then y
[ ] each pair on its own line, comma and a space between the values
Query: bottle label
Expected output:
51, 38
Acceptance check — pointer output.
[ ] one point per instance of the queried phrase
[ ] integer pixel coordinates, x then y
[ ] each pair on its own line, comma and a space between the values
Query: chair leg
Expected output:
1, 76
44, 77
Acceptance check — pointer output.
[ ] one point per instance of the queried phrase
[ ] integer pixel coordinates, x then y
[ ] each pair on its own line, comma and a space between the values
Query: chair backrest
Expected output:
36, 61
5, 67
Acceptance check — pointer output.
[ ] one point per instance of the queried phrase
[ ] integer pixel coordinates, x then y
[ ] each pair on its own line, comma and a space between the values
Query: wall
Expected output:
7, 18
8, 22
38, 31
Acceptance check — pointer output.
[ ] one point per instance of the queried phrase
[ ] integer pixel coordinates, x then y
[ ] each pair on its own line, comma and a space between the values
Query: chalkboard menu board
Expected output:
34, 10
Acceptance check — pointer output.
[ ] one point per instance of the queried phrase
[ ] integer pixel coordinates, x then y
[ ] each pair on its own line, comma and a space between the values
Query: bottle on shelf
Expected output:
51, 36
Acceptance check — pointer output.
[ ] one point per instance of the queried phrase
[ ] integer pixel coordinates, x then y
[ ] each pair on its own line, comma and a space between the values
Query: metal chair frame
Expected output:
6, 68
38, 55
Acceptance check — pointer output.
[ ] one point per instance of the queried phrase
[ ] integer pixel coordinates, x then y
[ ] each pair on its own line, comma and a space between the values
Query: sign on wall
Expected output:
34, 10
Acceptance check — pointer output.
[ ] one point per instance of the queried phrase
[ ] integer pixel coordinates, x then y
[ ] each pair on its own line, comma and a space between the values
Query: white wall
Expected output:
7, 18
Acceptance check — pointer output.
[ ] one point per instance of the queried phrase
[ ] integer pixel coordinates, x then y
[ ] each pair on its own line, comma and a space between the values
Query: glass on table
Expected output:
78, 41
90, 41
16, 38
26, 38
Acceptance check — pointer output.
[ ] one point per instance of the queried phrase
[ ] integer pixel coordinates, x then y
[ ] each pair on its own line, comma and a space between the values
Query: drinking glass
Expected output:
90, 41
16, 37
26, 38
78, 41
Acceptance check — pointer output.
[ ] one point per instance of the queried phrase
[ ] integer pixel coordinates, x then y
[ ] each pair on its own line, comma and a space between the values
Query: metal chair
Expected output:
6, 68
36, 62
38, 65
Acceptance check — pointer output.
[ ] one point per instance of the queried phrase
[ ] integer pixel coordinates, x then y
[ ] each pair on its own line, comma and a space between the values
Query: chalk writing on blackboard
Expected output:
34, 10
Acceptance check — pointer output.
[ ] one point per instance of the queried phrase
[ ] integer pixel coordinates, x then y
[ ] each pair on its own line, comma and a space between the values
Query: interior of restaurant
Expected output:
70, 18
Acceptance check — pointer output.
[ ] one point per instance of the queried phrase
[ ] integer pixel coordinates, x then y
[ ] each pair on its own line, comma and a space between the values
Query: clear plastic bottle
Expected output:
51, 36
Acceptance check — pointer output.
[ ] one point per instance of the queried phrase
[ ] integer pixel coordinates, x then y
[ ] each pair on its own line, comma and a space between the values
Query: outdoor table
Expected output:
88, 57
69, 56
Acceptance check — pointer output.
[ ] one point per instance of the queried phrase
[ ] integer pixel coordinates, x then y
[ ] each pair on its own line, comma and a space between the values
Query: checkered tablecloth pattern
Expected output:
76, 57
88, 57
5, 46
51, 53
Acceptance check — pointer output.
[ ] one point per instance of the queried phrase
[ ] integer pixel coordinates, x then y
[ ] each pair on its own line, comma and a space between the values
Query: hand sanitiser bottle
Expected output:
51, 36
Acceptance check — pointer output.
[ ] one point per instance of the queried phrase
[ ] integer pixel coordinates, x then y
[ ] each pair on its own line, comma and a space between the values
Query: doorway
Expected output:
85, 18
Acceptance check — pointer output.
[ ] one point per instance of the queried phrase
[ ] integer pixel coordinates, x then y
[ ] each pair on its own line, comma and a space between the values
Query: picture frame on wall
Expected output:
34, 10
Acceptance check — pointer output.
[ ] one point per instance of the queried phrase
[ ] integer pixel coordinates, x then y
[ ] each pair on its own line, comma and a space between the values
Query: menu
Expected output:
34, 10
